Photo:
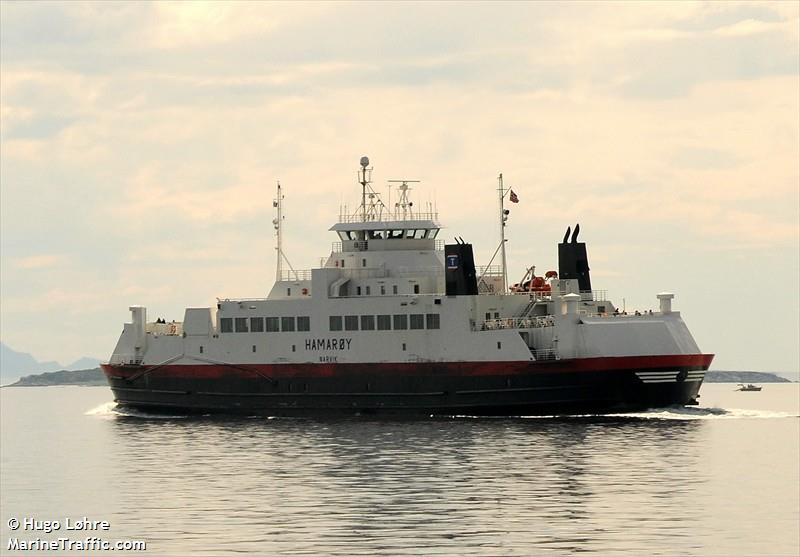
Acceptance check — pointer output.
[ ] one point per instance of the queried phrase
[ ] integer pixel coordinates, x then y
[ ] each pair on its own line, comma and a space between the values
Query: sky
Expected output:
140, 144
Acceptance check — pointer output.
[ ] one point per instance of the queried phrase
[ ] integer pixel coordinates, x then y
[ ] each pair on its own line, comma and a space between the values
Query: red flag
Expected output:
513, 197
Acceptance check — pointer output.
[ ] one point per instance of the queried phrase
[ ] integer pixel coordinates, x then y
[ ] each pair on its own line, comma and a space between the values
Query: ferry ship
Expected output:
398, 322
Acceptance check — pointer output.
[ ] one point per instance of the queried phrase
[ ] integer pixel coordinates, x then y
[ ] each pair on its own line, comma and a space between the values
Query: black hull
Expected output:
552, 390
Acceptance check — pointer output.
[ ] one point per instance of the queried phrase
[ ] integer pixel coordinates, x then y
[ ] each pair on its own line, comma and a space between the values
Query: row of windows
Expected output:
397, 322
264, 324
368, 290
410, 233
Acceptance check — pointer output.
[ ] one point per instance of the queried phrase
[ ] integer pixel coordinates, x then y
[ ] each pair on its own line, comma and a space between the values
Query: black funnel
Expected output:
459, 270
573, 263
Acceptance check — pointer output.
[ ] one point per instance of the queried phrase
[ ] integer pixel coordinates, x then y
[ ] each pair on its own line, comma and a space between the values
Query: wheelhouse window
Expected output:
335, 323
384, 322
256, 324
271, 324
400, 322
226, 325
432, 320
241, 325
287, 324
303, 323
367, 322
417, 321
351, 322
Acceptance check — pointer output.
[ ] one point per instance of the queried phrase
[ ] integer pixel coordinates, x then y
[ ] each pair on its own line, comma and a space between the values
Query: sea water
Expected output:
719, 479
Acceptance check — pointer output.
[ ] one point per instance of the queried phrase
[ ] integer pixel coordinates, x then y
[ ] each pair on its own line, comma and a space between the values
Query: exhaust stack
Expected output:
573, 263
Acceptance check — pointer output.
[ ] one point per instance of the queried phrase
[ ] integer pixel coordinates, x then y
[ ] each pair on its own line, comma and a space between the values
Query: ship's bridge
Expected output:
388, 235
381, 252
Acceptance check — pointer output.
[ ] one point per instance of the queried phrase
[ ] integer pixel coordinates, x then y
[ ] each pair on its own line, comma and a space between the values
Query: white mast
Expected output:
503, 218
364, 181
278, 224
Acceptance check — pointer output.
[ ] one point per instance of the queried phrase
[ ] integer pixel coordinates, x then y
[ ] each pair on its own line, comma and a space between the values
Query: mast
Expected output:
364, 181
278, 224
503, 218
403, 204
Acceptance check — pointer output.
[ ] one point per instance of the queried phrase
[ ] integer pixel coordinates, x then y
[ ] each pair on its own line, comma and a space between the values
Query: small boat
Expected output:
748, 387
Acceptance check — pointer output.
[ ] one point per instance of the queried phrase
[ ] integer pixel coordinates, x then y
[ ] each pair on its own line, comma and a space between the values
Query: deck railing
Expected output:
296, 276
545, 354
515, 323
388, 217
586, 295
488, 270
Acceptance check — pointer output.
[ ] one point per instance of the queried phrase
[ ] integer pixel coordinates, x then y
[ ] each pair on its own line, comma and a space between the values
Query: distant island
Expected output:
15, 364
95, 377
88, 377
743, 377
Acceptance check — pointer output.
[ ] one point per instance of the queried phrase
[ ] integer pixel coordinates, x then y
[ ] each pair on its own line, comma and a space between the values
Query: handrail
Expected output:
410, 217
545, 354
489, 270
586, 295
298, 275
515, 323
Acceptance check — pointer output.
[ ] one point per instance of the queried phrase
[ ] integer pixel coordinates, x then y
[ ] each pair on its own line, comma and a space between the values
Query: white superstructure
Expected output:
381, 297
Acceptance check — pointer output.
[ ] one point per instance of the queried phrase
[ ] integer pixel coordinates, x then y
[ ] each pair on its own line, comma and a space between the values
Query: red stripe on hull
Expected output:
469, 369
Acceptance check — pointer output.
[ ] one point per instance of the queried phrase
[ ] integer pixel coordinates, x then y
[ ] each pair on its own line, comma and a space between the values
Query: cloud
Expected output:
748, 27
38, 261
